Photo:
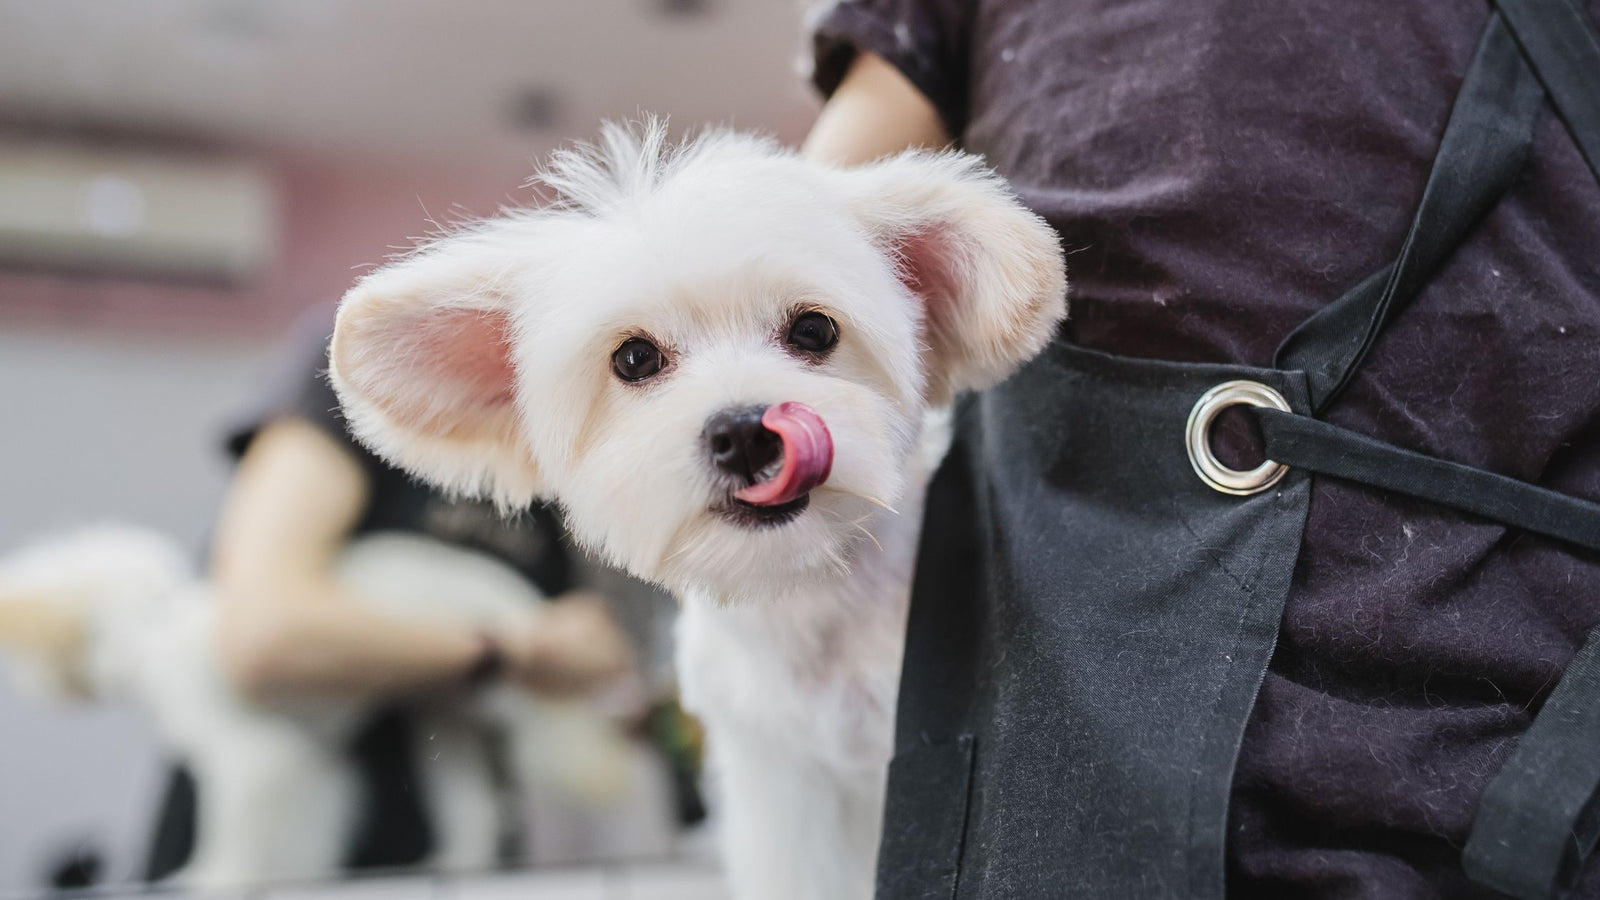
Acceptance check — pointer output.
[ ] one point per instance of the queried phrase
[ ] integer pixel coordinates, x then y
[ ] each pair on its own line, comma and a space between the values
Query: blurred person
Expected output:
1164, 671
114, 613
302, 490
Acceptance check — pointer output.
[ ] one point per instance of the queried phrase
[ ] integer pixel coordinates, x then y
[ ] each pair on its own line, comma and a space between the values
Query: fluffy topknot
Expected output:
632, 159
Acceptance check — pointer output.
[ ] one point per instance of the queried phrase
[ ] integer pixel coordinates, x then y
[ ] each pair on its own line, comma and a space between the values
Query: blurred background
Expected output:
180, 179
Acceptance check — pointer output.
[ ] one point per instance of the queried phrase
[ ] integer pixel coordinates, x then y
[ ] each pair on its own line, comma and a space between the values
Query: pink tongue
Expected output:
807, 455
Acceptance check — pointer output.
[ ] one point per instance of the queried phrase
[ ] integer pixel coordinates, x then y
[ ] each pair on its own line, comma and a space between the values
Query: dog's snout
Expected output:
739, 444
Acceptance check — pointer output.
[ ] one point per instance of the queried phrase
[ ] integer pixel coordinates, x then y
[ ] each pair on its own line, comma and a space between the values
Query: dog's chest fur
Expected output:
828, 671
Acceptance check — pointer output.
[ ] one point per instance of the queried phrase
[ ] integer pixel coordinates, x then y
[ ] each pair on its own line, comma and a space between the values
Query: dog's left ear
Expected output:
989, 273
422, 361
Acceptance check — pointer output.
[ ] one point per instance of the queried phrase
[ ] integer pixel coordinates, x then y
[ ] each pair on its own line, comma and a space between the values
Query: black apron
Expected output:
1097, 597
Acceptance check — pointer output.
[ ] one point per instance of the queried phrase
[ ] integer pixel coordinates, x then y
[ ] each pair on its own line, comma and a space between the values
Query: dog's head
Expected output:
66, 600
716, 357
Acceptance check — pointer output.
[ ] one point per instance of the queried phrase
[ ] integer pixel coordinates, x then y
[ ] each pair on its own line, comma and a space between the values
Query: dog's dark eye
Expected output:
636, 360
813, 332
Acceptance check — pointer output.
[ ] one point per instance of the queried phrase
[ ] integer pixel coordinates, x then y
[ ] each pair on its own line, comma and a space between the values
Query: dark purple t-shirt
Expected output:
1218, 171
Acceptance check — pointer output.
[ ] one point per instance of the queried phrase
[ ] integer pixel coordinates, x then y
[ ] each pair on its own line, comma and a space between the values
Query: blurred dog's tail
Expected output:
62, 598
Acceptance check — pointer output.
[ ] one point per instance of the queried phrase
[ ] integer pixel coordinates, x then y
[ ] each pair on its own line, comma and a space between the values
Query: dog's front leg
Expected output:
275, 803
458, 785
793, 827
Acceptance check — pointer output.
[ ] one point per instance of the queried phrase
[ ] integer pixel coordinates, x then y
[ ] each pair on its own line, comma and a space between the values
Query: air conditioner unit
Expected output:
66, 206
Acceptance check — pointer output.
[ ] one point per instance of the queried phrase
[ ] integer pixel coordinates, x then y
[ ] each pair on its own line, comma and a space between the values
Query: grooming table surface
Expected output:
619, 882
606, 883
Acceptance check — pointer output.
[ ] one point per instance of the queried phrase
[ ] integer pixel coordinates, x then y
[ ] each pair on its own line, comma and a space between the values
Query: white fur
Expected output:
275, 786
482, 362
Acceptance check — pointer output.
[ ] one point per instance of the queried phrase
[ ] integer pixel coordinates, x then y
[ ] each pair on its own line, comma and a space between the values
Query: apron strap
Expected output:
1305, 443
1484, 147
1538, 819
1561, 43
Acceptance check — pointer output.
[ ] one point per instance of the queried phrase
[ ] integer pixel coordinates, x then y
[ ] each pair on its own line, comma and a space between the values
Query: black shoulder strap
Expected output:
1484, 146
1560, 41
1539, 818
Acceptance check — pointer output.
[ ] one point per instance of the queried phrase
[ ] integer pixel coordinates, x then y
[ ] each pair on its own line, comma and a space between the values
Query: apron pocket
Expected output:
925, 821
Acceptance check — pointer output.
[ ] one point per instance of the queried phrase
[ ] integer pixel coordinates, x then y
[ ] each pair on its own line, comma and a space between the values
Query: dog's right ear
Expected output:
422, 361
988, 272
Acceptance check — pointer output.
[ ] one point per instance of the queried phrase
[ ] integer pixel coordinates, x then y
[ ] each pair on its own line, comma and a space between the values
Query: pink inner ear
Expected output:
442, 370
471, 347
928, 260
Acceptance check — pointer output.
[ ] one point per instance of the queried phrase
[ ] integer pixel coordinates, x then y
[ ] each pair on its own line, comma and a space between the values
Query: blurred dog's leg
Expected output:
458, 788
639, 824
275, 804
564, 745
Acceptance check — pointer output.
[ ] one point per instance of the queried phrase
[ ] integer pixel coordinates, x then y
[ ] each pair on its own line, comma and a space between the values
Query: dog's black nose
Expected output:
739, 444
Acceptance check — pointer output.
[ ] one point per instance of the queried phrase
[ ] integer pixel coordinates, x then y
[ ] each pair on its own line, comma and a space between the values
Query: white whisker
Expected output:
863, 529
867, 497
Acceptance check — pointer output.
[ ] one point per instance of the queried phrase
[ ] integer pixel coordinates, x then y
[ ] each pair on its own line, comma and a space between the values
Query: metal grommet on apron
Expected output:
1197, 438
1090, 621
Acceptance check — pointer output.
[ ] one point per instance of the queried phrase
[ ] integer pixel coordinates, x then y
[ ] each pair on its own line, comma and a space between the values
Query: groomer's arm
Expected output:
287, 625
874, 112
293, 503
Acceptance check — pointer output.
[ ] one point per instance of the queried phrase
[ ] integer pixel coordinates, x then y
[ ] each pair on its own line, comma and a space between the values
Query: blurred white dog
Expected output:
720, 359
116, 612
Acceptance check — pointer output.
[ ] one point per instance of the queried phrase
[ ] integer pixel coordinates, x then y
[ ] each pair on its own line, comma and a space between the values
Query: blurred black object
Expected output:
78, 868
391, 828
683, 8
173, 840
678, 737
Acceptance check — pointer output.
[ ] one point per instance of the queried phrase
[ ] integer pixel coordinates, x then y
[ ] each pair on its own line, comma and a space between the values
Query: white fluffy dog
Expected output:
116, 613
719, 359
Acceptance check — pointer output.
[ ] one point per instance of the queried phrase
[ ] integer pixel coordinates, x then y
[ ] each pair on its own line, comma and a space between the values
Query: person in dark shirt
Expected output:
1219, 172
304, 488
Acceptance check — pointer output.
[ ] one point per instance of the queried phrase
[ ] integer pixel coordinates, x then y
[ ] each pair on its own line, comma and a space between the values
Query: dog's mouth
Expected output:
781, 490
752, 516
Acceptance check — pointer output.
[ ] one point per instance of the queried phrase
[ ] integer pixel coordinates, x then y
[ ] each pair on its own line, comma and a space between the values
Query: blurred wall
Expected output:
338, 218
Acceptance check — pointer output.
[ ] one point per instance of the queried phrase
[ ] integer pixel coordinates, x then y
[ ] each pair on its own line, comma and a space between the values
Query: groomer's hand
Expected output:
572, 647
